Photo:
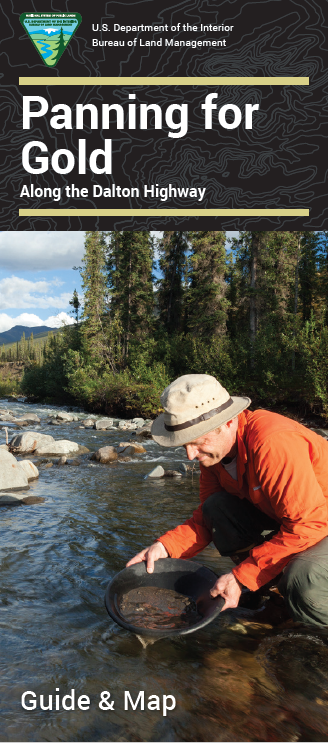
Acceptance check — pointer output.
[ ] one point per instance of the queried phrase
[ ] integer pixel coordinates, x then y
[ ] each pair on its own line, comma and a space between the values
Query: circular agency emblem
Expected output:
50, 33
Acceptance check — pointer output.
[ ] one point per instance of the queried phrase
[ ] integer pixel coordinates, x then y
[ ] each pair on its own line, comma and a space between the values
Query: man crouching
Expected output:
260, 472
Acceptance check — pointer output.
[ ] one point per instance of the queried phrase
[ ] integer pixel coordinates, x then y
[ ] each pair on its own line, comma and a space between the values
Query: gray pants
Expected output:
237, 524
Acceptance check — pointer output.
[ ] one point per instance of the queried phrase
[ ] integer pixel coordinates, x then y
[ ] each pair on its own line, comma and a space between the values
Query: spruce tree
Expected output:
206, 297
75, 304
172, 250
95, 311
261, 284
129, 265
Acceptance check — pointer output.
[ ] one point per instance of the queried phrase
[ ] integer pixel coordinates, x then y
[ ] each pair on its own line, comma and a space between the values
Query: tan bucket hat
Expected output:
194, 405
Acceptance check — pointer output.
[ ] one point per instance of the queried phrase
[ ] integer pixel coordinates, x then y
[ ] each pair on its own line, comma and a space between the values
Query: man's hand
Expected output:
229, 588
149, 555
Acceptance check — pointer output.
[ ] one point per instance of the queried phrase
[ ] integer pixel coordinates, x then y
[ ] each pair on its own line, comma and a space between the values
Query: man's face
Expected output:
214, 446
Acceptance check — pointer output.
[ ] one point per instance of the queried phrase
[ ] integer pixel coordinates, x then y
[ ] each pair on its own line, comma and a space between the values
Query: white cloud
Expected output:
20, 293
56, 321
31, 321
37, 251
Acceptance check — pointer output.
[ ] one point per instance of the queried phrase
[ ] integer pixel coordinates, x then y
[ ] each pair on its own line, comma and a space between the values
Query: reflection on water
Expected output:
56, 559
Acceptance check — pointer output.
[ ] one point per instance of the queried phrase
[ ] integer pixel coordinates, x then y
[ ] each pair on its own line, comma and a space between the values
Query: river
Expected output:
231, 683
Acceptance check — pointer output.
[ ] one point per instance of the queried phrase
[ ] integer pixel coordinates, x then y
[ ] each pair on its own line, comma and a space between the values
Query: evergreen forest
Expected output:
252, 311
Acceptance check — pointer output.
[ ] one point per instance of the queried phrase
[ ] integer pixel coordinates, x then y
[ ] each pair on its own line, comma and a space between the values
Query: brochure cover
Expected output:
163, 215
136, 115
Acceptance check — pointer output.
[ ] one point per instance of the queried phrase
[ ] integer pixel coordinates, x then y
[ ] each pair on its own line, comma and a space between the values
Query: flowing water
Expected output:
231, 681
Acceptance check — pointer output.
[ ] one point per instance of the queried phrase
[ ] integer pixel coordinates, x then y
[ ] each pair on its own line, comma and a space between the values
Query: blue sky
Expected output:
37, 279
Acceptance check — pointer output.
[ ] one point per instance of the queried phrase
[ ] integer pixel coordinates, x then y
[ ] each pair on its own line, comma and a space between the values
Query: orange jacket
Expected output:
283, 469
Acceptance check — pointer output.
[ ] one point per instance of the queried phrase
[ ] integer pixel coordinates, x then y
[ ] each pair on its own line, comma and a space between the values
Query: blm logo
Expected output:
50, 33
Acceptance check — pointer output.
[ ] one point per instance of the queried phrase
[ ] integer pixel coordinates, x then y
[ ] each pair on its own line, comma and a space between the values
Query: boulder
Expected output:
103, 424
61, 461
130, 449
66, 417
125, 425
30, 469
26, 443
12, 476
145, 431
138, 448
54, 422
88, 423
156, 472
11, 499
53, 448
105, 454
83, 450
32, 417
31, 500
172, 473
7, 417
138, 422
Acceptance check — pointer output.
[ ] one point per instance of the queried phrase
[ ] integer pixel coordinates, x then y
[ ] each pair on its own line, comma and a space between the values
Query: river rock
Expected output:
65, 417
172, 473
103, 424
31, 500
145, 431
29, 417
138, 449
156, 472
73, 462
88, 423
26, 443
53, 448
54, 422
138, 422
11, 499
125, 425
129, 449
61, 461
105, 454
12, 476
30, 469
7, 417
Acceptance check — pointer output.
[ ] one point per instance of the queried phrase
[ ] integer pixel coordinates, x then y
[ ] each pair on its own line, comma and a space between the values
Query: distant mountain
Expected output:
15, 333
